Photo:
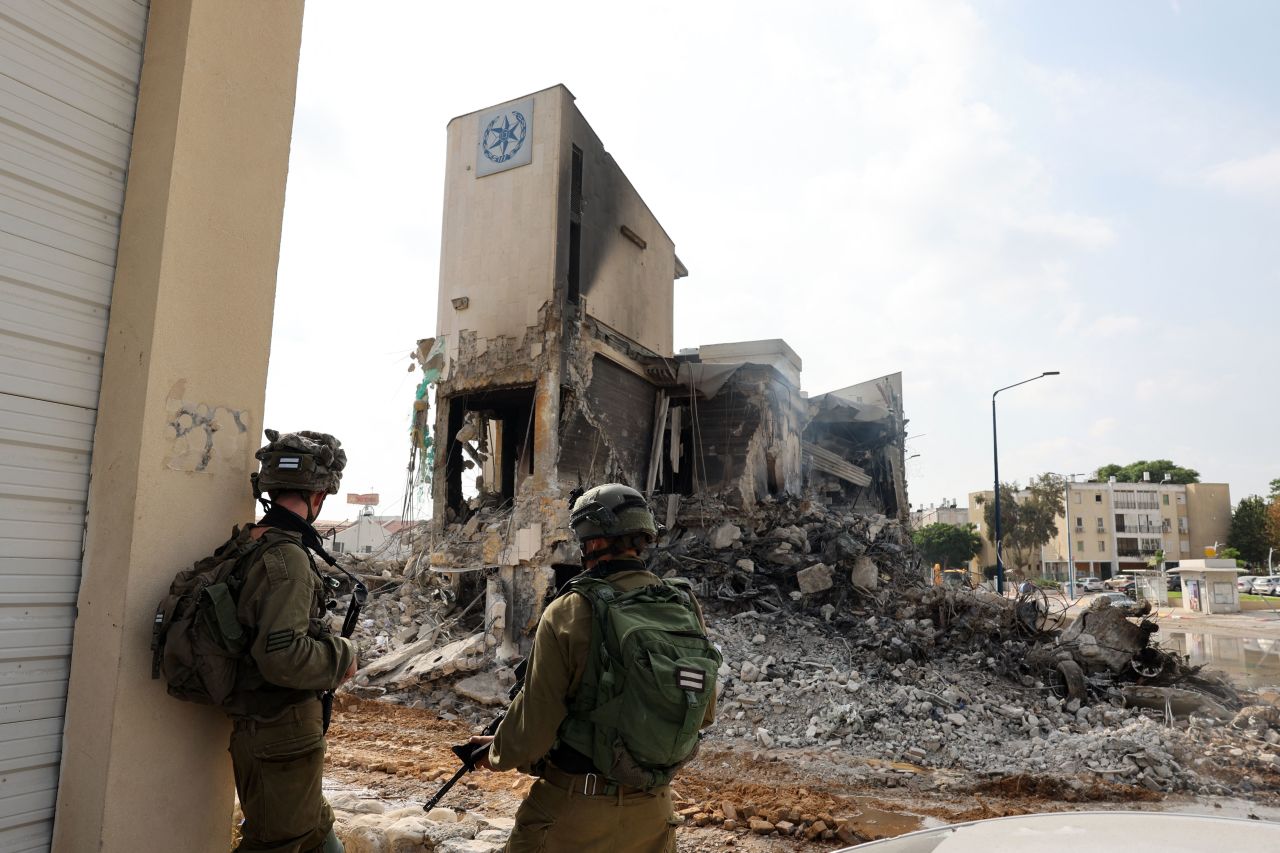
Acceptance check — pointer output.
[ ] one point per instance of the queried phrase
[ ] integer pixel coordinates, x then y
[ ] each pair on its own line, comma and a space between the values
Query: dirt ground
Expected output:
402, 754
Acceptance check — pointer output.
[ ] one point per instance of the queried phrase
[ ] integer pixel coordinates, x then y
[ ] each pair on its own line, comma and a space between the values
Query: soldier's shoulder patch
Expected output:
276, 566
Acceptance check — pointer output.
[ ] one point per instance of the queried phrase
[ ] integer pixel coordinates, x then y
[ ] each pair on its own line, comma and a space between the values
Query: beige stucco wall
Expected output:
1206, 506
498, 244
504, 241
624, 286
187, 347
1208, 515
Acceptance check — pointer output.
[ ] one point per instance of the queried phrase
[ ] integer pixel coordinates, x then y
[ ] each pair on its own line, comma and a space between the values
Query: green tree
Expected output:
1231, 554
1027, 521
948, 544
1157, 468
1275, 490
1249, 531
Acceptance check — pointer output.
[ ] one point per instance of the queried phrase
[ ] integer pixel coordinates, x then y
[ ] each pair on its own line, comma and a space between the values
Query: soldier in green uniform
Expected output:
574, 805
277, 743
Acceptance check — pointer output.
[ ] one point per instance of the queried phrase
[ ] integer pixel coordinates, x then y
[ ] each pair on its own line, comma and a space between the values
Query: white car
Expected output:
1245, 583
1091, 584
1266, 586
1117, 581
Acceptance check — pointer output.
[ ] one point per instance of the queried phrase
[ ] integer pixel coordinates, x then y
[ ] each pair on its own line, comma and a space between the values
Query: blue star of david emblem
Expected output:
504, 137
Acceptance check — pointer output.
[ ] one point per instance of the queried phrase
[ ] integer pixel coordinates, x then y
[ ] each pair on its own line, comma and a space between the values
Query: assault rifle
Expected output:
359, 592
469, 753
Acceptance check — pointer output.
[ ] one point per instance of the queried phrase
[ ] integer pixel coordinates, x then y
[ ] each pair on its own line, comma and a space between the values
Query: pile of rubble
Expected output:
834, 639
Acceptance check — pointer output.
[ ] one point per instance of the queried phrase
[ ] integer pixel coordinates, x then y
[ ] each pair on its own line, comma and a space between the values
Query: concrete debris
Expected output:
366, 826
833, 639
814, 579
465, 655
724, 536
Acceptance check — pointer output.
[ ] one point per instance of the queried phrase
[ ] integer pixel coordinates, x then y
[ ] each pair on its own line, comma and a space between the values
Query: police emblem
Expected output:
504, 136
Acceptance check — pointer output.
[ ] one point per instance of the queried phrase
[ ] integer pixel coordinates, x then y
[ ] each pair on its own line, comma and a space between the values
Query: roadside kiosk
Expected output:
1209, 586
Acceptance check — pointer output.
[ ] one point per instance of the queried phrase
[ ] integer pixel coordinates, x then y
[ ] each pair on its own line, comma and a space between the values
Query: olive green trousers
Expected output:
278, 768
554, 820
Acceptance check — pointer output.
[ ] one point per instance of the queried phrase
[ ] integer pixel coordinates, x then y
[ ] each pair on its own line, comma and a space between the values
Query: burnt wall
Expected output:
606, 430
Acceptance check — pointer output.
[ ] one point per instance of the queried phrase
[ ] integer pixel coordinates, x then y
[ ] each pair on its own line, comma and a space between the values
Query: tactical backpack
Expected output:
650, 675
196, 640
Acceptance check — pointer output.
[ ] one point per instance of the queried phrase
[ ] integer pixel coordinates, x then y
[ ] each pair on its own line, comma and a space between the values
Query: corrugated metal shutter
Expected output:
68, 90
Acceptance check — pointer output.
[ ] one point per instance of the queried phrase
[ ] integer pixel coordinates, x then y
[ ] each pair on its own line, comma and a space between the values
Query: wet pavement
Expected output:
1253, 662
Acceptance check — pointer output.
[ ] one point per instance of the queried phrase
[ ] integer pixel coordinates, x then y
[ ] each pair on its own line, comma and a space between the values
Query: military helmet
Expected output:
611, 510
303, 461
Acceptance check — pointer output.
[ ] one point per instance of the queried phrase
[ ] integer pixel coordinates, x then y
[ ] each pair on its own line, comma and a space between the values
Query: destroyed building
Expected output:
553, 369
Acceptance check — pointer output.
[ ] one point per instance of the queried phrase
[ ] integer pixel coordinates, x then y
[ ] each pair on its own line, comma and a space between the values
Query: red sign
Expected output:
363, 500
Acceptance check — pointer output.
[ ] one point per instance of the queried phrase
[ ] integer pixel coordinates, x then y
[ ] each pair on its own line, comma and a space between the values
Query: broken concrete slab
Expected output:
465, 655
390, 661
865, 573
724, 536
817, 578
485, 688
1180, 703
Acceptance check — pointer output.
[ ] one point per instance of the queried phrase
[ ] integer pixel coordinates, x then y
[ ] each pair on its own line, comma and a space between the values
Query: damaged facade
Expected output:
554, 370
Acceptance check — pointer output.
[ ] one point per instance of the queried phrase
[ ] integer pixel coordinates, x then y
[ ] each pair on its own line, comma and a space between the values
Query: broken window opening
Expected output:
575, 263
773, 481
490, 448
574, 290
678, 472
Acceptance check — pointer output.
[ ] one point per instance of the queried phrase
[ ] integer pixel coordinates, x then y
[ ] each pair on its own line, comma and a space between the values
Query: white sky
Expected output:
970, 193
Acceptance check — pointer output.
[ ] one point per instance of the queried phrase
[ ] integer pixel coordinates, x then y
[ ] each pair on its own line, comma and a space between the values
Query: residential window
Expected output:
1182, 524
1165, 499
1079, 522
1184, 546
1077, 496
1080, 546
1097, 498
1182, 499
1102, 546
1102, 528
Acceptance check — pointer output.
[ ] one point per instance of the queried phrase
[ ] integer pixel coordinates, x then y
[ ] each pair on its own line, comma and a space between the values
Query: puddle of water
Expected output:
877, 823
1252, 662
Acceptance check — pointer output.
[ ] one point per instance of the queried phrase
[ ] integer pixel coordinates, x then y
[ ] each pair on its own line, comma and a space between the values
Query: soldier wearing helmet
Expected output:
277, 743
574, 806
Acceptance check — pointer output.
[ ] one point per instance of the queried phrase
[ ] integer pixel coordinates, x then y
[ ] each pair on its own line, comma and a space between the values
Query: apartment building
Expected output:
1110, 527
944, 513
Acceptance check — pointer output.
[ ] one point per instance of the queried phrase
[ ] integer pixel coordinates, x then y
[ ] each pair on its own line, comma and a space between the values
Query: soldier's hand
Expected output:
482, 761
351, 670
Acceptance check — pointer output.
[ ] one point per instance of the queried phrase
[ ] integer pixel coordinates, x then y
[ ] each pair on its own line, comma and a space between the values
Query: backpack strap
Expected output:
223, 607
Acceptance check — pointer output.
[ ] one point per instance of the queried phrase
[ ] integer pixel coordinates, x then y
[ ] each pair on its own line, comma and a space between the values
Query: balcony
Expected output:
1123, 500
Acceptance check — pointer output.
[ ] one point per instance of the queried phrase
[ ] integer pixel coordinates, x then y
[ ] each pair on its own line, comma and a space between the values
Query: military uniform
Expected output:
571, 807
277, 743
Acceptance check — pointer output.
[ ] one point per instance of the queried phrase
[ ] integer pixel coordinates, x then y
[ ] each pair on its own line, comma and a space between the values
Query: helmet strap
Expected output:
286, 519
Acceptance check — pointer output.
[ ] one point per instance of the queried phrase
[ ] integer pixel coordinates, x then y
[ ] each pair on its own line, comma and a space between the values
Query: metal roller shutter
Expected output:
68, 90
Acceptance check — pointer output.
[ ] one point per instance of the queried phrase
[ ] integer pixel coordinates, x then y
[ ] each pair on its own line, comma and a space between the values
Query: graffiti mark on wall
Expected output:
205, 437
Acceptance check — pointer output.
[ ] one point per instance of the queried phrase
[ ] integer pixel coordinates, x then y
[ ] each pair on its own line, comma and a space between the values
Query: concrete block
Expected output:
865, 573
816, 578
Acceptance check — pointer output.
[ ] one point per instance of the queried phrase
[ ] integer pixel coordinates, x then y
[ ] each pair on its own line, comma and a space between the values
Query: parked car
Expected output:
1127, 605
1117, 581
1244, 583
1091, 584
1266, 586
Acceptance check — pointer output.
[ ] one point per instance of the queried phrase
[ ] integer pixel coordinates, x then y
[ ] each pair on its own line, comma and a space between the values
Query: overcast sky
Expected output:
969, 193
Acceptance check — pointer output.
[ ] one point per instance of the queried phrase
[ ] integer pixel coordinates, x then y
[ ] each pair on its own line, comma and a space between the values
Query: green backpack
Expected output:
197, 642
650, 675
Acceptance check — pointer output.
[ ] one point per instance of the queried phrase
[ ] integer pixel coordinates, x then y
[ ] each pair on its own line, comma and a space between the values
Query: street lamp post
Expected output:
995, 455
